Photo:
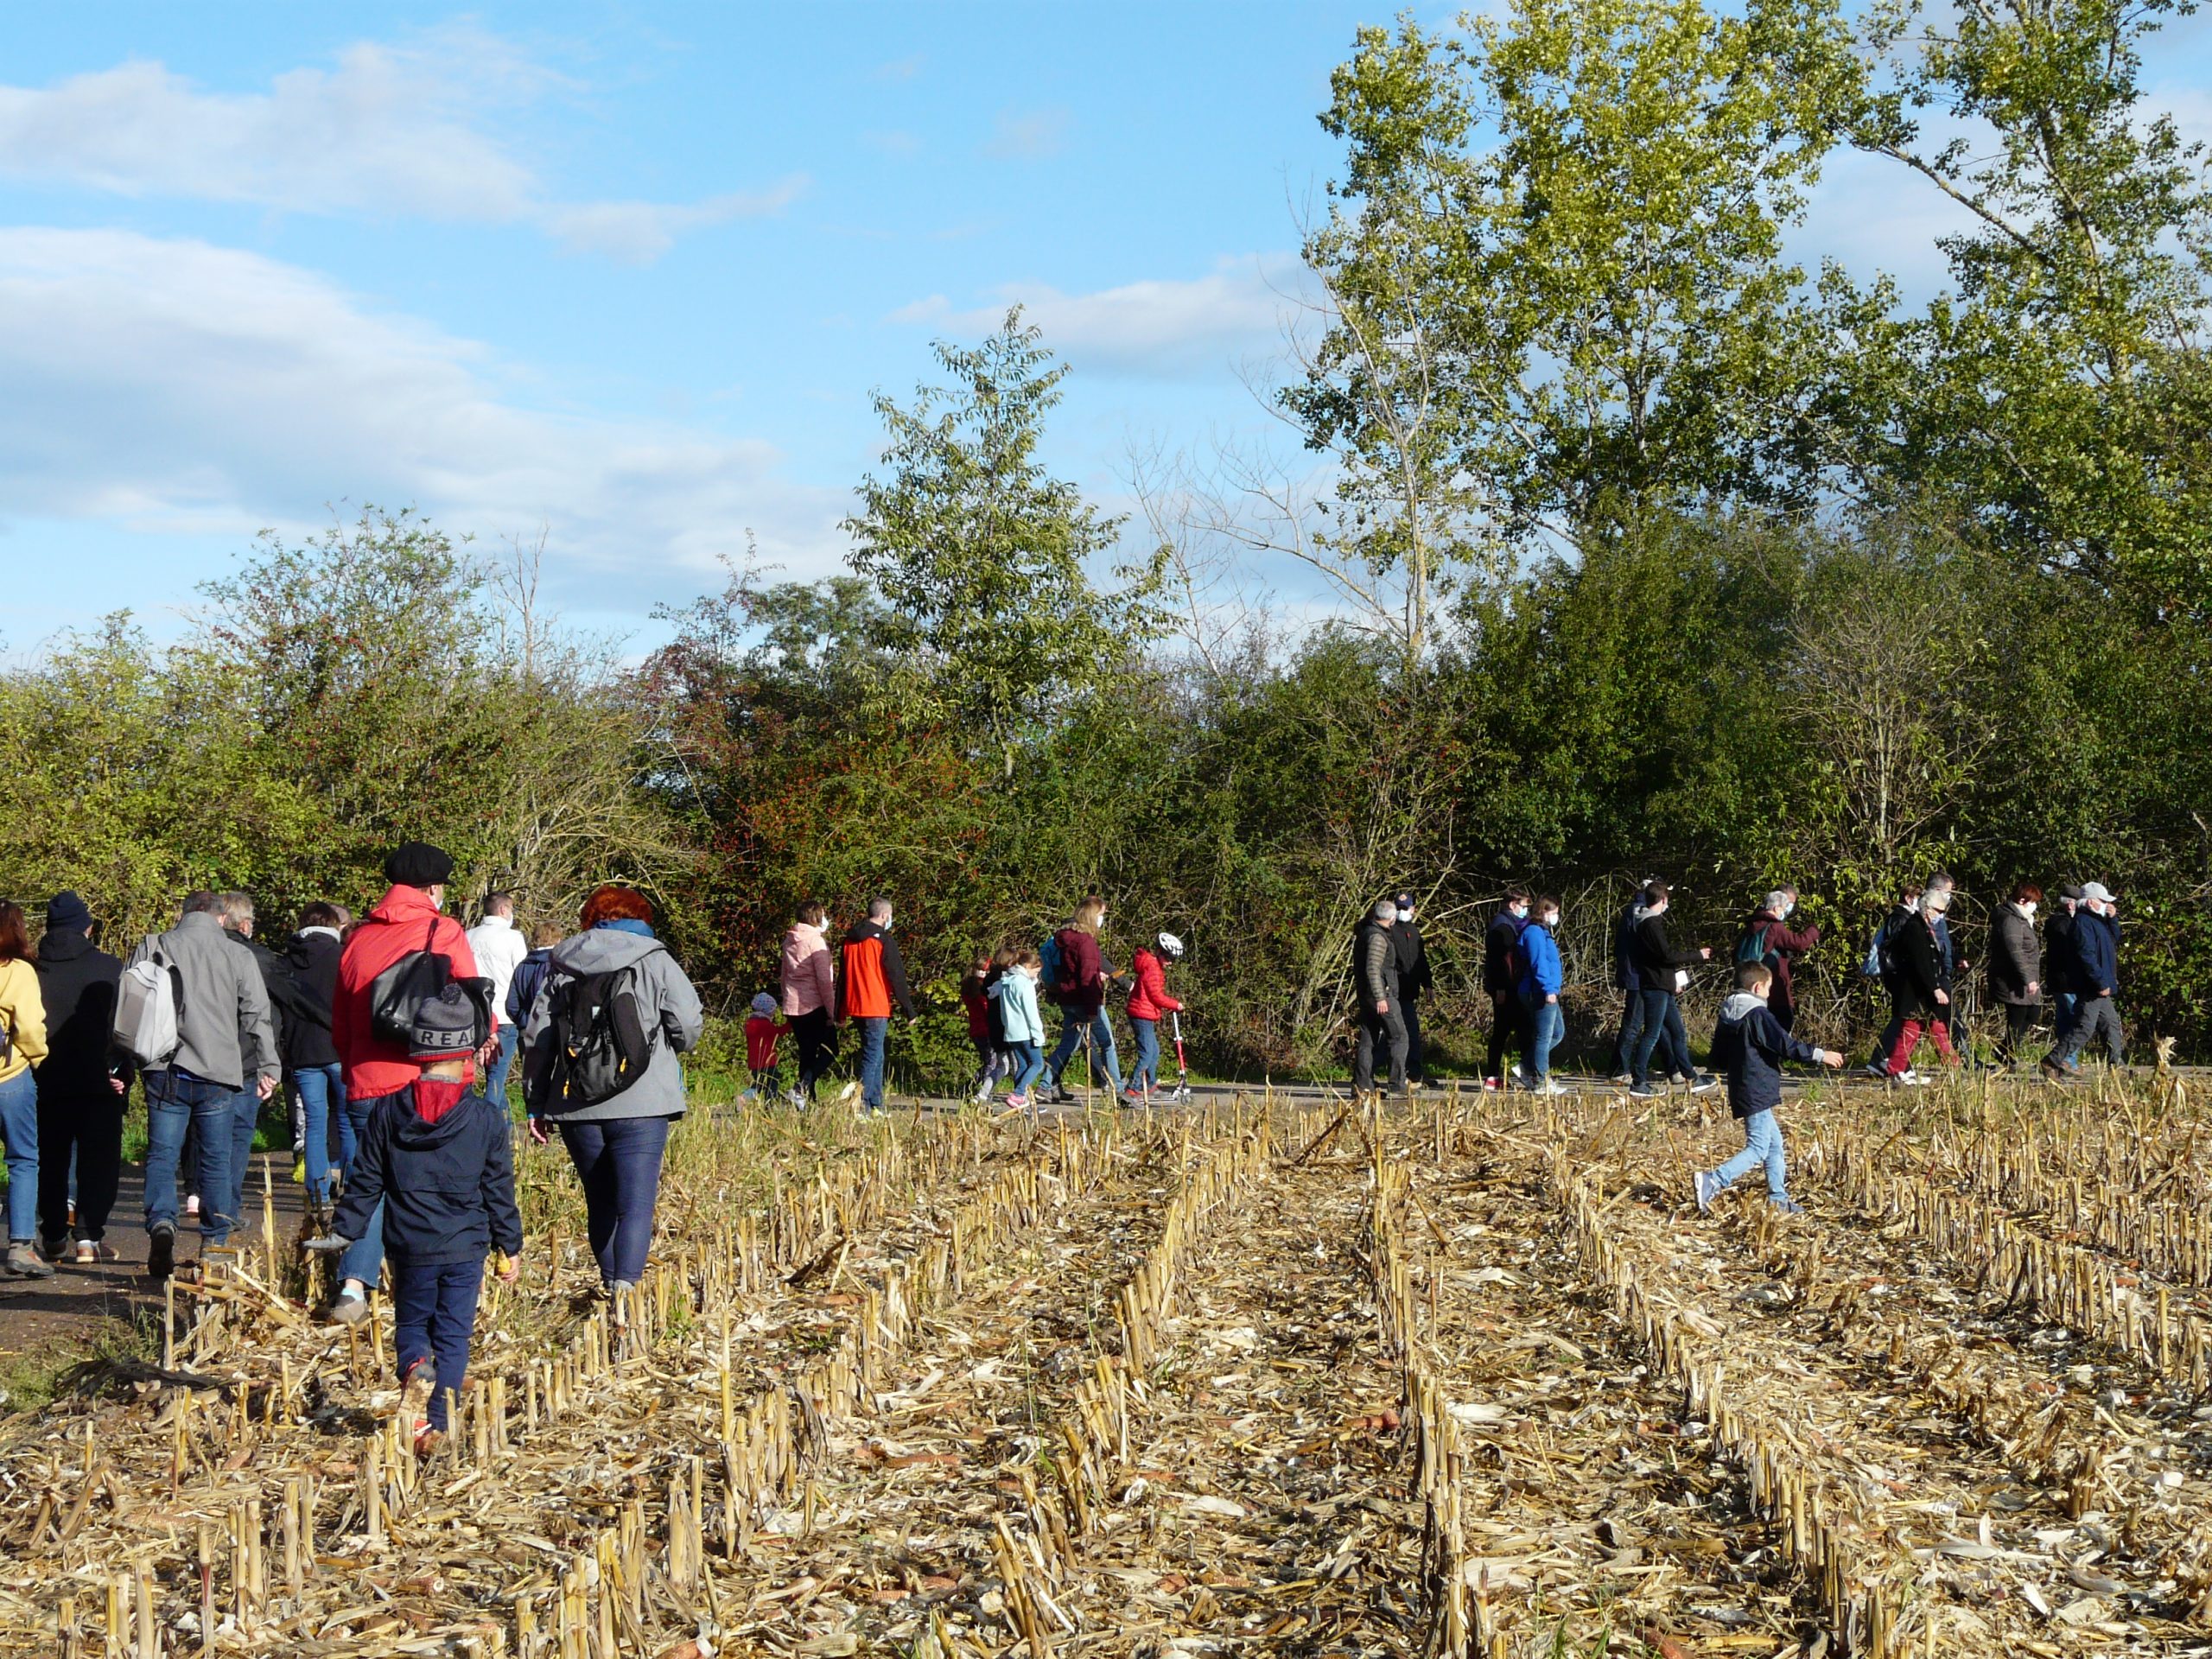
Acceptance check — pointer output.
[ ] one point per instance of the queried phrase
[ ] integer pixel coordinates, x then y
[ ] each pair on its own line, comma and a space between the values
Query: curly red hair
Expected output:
616, 902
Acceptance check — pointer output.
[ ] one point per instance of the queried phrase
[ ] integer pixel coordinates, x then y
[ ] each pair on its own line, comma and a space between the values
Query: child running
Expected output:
1022, 1023
440, 1159
763, 1031
1749, 1046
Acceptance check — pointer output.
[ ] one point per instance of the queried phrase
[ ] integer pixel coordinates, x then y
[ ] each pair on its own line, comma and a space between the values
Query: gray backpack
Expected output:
149, 1010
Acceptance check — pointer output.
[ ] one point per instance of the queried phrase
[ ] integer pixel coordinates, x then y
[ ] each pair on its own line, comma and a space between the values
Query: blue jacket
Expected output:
1750, 1044
1541, 976
1945, 952
448, 1187
2096, 954
1624, 974
1018, 1015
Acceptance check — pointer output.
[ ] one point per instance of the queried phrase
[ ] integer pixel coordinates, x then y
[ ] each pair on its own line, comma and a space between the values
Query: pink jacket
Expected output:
810, 972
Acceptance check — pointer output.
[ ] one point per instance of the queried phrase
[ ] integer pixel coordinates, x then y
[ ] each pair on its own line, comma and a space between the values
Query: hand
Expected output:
118, 1085
1833, 1058
1551, 996
1964, 964
537, 1132
264, 1087
1942, 996
2035, 988
490, 1047
1705, 953
1383, 1006
509, 1269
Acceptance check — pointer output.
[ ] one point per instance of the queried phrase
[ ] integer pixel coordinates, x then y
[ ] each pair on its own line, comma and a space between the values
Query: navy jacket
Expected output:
1750, 1044
1625, 975
2096, 954
523, 988
1502, 952
448, 1187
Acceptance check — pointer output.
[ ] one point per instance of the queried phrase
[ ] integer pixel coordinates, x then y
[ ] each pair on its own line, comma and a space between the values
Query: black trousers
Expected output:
1416, 1068
1505, 1020
1379, 1030
91, 1126
1631, 1032
817, 1047
2019, 1020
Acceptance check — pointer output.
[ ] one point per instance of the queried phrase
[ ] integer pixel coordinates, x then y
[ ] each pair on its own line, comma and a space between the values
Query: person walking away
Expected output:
1749, 1046
2096, 976
1374, 973
763, 1032
438, 1159
83, 1085
1148, 1001
810, 997
405, 927
496, 942
2016, 968
1629, 984
236, 912
602, 1064
530, 977
310, 1055
226, 1044
1081, 992
1501, 975
1415, 981
1665, 974
1022, 1022
22, 1045
1542, 977
873, 980
2061, 964
1921, 995
976, 1003
1768, 937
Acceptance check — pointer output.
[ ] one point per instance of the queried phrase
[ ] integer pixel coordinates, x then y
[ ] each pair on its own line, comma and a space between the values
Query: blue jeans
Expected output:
174, 1100
245, 1118
1028, 1061
319, 1088
364, 1257
1545, 1027
2067, 1015
1762, 1145
1631, 1032
1146, 1072
619, 1163
871, 1029
433, 1316
1073, 1024
495, 1077
1662, 1019
19, 1128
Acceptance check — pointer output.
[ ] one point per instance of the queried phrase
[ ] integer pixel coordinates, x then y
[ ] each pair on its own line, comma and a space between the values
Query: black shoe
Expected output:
161, 1254
1704, 1083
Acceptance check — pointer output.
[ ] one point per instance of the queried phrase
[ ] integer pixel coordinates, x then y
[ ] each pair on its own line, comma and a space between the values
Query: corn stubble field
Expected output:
1275, 1376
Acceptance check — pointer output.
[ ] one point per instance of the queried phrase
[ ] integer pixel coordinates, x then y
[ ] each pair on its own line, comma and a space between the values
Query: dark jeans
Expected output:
1504, 1031
1631, 1032
433, 1316
174, 1100
495, 1079
619, 1163
872, 1029
1663, 1021
1416, 1054
1074, 1022
818, 1048
2067, 1010
1385, 1031
364, 1257
90, 1126
2019, 1020
245, 1118
318, 1089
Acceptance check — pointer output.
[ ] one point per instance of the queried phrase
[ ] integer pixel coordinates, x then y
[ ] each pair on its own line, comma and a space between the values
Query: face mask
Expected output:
1551, 919
1520, 910
1790, 909
1405, 915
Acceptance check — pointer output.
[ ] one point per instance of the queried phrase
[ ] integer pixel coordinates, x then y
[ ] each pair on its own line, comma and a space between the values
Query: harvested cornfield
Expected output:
1466, 1377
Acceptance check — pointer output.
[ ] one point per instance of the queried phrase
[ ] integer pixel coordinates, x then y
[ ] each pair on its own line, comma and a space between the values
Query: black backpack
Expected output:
394, 993
600, 1044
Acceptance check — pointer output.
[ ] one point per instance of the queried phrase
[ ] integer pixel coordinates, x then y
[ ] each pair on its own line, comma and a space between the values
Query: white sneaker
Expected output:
1912, 1079
793, 1097
1552, 1086
1707, 1187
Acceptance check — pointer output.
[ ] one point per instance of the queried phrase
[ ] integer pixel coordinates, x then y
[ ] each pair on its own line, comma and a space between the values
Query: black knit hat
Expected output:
446, 1027
67, 913
418, 864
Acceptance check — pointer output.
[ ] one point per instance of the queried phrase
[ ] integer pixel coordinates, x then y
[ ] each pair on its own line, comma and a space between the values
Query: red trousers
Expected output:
1908, 1036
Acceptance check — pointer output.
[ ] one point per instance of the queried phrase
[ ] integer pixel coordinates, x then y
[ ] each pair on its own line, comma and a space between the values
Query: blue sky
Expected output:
631, 273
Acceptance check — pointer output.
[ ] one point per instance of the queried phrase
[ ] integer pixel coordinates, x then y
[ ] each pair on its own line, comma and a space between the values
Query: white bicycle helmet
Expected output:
1170, 947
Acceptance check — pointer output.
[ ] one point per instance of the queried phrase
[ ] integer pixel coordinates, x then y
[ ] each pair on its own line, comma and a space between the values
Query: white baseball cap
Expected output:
2098, 891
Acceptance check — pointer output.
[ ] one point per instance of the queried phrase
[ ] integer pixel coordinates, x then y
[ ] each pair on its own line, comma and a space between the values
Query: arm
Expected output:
499, 1187
894, 975
1795, 940
823, 972
341, 1014
538, 1050
837, 1003
26, 1014
1779, 1045
682, 1019
256, 1025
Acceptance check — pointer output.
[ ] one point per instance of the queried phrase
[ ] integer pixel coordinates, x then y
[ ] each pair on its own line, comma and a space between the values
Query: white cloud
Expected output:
162, 383
1028, 135
1173, 328
387, 131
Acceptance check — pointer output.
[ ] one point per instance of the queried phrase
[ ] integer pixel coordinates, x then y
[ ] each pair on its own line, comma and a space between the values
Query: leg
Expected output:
1147, 1074
1029, 1057
215, 1115
1072, 1027
1887, 1044
635, 1147
1101, 1044
99, 1163
1899, 1059
19, 1128
495, 1084
1939, 1032
2115, 1037
1394, 1033
2068, 1011
1654, 1026
1678, 1038
319, 1088
1416, 1056
56, 1137
1362, 1053
1631, 1034
364, 1259
245, 1118
588, 1151
1551, 1026
1504, 1020
872, 1033
453, 1323
1778, 1165
167, 1119
1754, 1152
189, 1161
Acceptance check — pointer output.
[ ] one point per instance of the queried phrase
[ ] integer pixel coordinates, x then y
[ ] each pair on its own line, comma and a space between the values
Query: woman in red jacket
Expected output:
1148, 999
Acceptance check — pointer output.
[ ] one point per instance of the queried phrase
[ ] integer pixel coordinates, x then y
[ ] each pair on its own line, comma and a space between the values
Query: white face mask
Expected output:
1790, 908
1551, 919
2027, 907
1405, 915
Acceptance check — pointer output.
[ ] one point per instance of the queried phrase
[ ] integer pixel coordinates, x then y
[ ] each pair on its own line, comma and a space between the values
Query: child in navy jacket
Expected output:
442, 1158
1749, 1046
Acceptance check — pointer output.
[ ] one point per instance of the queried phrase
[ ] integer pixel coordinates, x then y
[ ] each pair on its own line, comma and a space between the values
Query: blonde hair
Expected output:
1089, 913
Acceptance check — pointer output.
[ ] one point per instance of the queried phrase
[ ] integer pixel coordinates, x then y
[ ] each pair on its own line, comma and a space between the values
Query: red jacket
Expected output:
1081, 967
760, 1035
404, 920
976, 998
1148, 997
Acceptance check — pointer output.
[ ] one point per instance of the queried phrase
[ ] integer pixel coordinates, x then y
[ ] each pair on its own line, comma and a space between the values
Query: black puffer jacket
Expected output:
77, 983
2015, 959
312, 959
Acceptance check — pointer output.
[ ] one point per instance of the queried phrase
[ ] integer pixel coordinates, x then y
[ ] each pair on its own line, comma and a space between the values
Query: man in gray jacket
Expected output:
1382, 1022
227, 1046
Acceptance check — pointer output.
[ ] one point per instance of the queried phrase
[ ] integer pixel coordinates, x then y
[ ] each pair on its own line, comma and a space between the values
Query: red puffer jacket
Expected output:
1148, 997
404, 920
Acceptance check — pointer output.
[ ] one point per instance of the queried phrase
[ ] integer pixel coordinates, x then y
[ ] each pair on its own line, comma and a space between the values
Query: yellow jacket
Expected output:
23, 1019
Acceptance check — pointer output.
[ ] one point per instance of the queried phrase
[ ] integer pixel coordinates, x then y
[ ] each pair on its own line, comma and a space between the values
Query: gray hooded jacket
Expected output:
667, 1000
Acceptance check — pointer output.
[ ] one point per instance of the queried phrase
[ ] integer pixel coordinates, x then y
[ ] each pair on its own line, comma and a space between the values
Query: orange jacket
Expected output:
872, 976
